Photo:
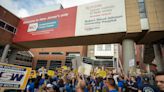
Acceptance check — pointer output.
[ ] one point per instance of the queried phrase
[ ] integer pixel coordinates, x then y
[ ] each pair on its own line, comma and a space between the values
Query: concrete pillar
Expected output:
12, 57
128, 54
5, 52
158, 57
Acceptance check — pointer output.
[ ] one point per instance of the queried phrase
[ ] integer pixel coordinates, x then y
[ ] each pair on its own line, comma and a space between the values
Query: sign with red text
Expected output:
101, 17
106, 16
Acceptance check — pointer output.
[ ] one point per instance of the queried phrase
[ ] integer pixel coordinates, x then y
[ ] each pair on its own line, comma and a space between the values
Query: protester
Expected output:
73, 81
121, 84
147, 87
132, 85
30, 86
111, 85
49, 88
159, 78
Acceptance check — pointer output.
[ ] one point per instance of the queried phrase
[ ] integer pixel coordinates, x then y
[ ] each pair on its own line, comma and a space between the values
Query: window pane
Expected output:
99, 47
41, 63
108, 47
43, 53
57, 53
2, 24
142, 7
9, 28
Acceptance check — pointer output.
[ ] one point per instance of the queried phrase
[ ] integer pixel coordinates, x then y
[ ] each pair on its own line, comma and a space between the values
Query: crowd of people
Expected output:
72, 81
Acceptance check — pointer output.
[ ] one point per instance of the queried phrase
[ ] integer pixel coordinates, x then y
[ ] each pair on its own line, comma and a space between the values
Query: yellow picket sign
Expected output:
33, 74
51, 73
102, 73
64, 67
98, 71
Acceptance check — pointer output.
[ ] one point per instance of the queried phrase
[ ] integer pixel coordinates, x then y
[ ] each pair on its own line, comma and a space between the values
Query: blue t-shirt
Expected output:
113, 90
41, 82
86, 90
68, 88
121, 84
139, 81
30, 87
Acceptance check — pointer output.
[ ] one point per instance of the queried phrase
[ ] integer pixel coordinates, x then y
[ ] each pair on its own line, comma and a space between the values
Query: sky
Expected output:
25, 8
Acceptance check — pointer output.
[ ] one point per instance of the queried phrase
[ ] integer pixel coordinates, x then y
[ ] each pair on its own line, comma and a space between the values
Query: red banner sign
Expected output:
56, 24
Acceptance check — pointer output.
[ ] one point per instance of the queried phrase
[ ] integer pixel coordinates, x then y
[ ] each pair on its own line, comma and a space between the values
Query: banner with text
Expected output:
101, 17
13, 77
106, 16
51, 25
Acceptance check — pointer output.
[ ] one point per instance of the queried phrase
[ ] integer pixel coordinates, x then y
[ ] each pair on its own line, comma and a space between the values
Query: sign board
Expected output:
85, 69
76, 62
51, 73
33, 74
79, 61
102, 74
64, 67
81, 69
13, 77
131, 63
51, 25
101, 17
105, 16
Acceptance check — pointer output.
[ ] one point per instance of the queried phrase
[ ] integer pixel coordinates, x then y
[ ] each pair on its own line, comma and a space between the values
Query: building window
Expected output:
43, 53
108, 47
9, 28
72, 54
2, 24
41, 63
105, 47
23, 58
15, 30
57, 53
99, 47
55, 64
142, 9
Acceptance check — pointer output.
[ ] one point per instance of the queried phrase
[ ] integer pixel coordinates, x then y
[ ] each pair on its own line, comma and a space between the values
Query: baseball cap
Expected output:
49, 86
